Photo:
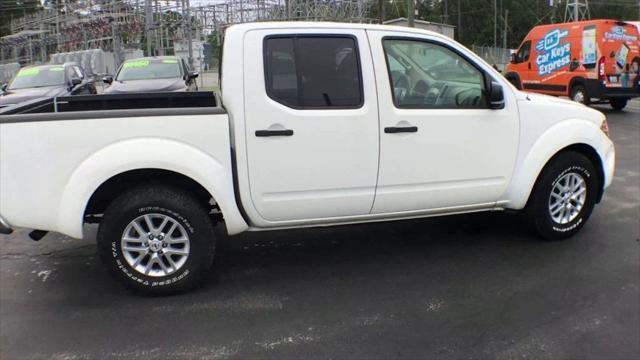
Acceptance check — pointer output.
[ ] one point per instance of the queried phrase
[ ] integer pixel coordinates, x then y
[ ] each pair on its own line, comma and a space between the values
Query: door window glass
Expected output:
425, 75
524, 52
311, 72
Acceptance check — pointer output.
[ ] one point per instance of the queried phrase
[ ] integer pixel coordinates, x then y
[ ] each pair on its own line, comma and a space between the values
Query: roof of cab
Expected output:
265, 25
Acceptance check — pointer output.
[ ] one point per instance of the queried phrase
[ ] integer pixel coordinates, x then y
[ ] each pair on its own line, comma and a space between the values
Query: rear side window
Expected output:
313, 72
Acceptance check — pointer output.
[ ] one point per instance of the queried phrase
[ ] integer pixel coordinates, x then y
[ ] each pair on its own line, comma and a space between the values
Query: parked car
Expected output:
315, 131
152, 74
585, 60
46, 81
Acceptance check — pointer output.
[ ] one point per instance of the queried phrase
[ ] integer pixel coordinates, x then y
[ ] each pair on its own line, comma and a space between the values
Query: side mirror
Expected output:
573, 65
107, 79
75, 81
4, 87
192, 75
496, 96
514, 58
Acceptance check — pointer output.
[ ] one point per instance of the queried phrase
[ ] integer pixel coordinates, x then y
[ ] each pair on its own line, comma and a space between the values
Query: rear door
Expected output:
311, 123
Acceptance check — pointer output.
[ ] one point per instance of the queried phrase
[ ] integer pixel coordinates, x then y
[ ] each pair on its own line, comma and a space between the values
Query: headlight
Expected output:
605, 127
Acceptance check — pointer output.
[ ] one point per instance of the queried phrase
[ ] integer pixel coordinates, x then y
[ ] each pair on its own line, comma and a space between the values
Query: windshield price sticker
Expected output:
28, 72
552, 53
170, 61
56, 69
136, 64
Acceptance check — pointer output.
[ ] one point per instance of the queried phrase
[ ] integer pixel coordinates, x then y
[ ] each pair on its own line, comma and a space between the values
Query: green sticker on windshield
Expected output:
28, 72
170, 61
57, 68
135, 64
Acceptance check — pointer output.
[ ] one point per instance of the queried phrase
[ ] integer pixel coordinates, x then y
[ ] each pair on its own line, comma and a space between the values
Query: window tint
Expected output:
313, 72
524, 52
425, 75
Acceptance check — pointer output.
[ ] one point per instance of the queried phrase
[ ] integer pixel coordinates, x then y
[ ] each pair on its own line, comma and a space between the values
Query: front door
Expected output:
311, 124
441, 147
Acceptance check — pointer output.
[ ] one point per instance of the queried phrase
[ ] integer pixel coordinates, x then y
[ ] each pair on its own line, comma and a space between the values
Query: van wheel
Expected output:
514, 81
157, 240
564, 196
579, 94
618, 104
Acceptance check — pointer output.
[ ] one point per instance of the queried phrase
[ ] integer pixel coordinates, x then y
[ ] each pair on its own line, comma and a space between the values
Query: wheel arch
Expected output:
97, 180
117, 184
590, 153
514, 76
576, 80
553, 142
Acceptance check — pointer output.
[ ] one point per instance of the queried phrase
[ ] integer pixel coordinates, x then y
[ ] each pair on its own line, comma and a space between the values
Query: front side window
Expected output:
426, 75
524, 52
312, 72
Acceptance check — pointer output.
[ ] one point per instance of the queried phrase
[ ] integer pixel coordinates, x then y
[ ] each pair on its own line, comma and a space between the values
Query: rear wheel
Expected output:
579, 94
157, 240
618, 104
563, 197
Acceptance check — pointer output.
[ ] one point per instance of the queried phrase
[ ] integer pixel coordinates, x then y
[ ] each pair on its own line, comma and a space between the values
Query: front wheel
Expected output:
157, 240
563, 197
618, 104
579, 94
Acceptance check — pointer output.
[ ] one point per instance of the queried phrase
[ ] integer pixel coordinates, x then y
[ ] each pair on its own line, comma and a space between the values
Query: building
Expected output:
444, 29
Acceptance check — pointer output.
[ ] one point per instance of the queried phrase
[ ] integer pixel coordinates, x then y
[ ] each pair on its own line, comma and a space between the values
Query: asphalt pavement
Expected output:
471, 286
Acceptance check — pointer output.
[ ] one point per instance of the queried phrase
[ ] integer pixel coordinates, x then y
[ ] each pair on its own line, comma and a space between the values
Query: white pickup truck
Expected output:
319, 124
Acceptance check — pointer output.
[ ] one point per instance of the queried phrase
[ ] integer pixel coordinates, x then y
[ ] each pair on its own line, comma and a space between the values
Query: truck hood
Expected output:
149, 85
561, 109
19, 95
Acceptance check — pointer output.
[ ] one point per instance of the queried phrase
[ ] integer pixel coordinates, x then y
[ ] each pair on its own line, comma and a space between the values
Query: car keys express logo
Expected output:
619, 33
552, 55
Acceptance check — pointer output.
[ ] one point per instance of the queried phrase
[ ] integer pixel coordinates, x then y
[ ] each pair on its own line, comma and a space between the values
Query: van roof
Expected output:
587, 22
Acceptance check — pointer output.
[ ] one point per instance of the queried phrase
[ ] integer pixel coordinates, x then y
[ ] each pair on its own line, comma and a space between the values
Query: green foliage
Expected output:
474, 19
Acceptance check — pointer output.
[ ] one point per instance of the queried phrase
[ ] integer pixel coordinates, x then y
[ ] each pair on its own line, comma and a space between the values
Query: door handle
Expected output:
400, 129
265, 133
529, 66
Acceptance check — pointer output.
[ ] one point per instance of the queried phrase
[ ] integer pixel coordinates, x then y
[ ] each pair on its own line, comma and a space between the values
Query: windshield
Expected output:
38, 77
149, 69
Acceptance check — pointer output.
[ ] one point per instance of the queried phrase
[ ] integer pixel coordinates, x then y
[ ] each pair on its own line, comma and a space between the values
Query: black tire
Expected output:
163, 202
538, 210
579, 91
514, 80
618, 104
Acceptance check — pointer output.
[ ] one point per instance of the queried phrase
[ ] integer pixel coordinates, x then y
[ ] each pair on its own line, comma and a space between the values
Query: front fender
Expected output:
148, 153
553, 140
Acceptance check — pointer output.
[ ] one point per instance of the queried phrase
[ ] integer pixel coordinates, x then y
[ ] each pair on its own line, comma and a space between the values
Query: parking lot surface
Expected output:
472, 286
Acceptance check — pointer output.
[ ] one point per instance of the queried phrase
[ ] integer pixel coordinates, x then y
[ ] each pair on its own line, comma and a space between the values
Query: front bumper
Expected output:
4, 226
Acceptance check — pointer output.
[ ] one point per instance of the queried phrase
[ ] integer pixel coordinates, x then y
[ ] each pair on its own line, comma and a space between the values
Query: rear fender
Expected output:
147, 153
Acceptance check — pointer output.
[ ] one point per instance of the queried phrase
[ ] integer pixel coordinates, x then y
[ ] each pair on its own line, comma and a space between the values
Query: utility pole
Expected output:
381, 11
506, 27
495, 23
189, 35
411, 12
446, 12
147, 24
459, 22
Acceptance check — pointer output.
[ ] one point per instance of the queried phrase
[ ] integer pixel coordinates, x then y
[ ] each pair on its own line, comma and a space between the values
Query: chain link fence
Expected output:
497, 56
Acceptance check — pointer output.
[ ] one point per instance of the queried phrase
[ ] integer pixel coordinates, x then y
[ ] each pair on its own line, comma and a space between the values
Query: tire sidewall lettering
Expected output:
579, 219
